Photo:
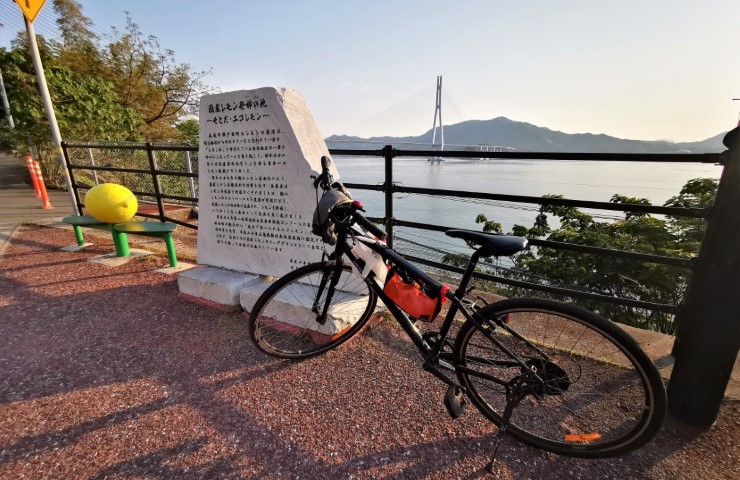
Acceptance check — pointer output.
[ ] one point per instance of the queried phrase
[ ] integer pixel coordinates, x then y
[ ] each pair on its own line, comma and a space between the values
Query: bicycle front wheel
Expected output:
586, 388
286, 321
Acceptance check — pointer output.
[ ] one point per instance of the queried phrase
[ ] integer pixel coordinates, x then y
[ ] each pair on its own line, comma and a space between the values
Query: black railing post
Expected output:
155, 180
708, 334
72, 181
388, 153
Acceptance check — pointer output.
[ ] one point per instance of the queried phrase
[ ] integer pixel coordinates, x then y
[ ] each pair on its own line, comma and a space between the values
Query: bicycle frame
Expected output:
433, 355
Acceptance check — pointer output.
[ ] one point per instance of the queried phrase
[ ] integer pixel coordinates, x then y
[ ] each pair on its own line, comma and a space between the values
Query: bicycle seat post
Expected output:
469, 271
460, 294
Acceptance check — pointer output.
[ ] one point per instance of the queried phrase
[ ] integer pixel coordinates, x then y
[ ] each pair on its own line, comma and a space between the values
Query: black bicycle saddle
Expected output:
497, 245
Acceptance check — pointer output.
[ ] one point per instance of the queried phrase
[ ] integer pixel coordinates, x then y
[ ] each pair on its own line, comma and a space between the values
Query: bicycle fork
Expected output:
330, 275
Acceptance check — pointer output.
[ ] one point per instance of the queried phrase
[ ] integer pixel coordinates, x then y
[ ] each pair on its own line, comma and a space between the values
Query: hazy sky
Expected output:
652, 69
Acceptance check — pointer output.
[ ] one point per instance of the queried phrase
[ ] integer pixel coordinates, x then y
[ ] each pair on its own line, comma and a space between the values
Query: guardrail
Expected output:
148, 167
390, 220
708, 333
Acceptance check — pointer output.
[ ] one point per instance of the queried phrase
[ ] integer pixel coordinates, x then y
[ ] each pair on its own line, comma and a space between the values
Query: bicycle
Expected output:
554, 375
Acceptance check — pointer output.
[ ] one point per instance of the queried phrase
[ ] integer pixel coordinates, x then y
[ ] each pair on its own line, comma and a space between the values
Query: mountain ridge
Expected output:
523, 136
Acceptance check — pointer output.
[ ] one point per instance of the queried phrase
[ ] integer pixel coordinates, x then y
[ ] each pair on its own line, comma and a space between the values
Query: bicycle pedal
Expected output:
455, 401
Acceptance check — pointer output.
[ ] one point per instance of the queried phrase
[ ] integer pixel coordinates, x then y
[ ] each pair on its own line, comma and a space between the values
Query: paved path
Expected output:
18, 202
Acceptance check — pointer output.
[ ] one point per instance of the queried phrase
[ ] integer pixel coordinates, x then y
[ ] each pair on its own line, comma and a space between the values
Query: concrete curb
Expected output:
7, 231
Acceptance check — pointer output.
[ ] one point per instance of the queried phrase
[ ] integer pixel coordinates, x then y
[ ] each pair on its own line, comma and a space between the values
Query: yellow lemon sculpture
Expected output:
111, 203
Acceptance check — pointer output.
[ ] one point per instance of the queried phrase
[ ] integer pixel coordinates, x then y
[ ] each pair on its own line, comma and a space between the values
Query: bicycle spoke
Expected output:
581, 392
285, 322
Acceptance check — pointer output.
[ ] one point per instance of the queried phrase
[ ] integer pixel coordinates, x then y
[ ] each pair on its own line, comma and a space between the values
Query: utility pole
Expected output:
6, 105
56, 136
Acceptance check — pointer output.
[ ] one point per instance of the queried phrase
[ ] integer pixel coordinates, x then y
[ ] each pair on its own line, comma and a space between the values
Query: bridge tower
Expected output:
438, 113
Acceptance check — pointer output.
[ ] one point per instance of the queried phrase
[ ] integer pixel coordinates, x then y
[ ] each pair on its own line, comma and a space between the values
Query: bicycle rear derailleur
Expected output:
455, 401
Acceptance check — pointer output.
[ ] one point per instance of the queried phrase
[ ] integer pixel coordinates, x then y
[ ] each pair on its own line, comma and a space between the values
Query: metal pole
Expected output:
76, 192
55, 135
191, 180
708, 336
92, 164
388, 154
6, 105
155, 180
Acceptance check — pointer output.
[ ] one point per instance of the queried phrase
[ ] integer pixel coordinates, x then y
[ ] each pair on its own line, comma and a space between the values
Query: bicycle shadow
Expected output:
674, 439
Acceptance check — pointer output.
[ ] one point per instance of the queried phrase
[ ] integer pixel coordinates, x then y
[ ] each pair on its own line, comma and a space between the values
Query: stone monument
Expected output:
258, 150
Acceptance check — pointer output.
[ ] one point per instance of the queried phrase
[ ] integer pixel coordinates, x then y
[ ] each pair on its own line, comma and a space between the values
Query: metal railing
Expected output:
708, 333
391, 221
156, 162
160, 172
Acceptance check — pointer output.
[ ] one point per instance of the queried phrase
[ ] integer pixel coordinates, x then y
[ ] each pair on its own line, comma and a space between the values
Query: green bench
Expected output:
119, 230
152, 229
78, 221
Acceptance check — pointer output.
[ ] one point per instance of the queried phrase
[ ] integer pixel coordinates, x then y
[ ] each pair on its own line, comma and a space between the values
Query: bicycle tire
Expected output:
601, 397
283, 324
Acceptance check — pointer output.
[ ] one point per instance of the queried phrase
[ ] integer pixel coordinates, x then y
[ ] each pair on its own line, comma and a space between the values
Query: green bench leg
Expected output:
78, 235
170, 241
120, 240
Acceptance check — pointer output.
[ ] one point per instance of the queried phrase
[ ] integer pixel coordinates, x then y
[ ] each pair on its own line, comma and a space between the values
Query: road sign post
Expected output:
30, 9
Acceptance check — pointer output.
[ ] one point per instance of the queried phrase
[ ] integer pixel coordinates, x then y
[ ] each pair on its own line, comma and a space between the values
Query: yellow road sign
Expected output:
30, 8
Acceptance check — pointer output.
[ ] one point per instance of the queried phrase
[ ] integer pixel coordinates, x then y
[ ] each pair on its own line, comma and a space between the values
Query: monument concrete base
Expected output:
249, 294
216, 285
290, 310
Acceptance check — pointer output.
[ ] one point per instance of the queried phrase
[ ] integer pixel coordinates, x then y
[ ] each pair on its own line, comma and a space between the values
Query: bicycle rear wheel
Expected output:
284, 321
597, 394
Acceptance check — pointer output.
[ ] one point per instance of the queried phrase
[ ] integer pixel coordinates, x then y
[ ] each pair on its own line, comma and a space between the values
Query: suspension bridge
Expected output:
371, 131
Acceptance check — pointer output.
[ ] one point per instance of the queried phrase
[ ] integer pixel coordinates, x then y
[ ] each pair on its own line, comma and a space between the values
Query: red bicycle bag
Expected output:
411, 298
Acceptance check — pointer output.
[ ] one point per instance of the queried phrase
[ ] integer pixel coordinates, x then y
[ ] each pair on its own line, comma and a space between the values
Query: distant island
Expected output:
530, 138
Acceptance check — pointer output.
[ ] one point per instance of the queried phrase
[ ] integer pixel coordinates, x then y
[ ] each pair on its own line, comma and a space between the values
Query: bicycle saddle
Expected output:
497, 245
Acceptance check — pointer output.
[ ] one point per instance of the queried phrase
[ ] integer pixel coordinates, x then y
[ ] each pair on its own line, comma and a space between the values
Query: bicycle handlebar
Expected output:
325, 179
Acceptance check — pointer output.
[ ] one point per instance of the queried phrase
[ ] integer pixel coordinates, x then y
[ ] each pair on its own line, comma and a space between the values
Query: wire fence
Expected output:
107, 164
162, 173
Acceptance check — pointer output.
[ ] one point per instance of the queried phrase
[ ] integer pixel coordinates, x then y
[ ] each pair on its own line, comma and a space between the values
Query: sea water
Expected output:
577, 180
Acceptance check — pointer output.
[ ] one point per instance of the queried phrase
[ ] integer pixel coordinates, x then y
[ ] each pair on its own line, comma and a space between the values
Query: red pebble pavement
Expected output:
107, 373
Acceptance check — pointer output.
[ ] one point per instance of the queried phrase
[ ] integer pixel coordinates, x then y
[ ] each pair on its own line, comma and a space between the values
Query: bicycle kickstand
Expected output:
513, 398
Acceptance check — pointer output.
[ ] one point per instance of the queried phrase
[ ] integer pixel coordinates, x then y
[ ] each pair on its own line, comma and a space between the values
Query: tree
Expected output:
85, 108
149, 80
79, 47
189, 130
690, 231
610, 275
128, 89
